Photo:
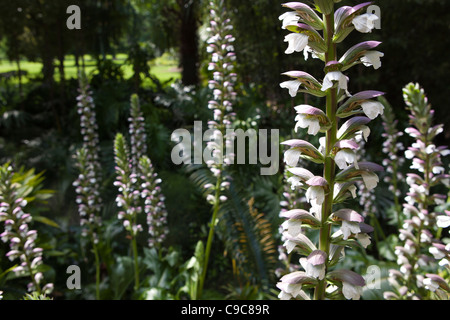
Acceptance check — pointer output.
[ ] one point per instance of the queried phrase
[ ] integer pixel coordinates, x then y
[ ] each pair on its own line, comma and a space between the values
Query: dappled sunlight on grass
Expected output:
163, 68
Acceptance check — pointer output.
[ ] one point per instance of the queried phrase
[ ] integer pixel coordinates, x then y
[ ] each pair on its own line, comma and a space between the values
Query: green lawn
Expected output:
164, 68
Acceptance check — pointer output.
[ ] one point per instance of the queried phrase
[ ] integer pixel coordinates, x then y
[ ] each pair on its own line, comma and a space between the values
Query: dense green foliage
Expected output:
40, 133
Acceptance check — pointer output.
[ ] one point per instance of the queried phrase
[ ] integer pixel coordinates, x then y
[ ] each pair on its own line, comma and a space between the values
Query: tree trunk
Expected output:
189, 58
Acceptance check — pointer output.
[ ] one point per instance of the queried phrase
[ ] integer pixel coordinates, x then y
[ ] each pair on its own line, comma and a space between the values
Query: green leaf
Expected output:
46, 221
122, 276
6, 272
325, 6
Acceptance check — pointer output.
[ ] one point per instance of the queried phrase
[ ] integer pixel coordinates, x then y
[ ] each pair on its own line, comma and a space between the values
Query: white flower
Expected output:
349, 228
291, 157
289, 290
289, 18
437, 254
364, 133
292, 86
372, 58
284, 296
350, 291
444, 263
364, 239
365, 22
370, 180
443, 221
409, 154
303, 121
372, 108
334, 76
293, 226
345, 157
296, 42
210, 198
430, 284
439, 170
315, 195
352, 190
295, 182
316, 211
317, 271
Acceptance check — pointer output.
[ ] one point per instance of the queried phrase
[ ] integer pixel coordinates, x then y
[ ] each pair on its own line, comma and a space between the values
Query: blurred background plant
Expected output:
158, 50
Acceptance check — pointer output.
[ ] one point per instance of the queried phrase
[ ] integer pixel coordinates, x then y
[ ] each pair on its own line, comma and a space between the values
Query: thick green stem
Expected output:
136, 263
329, 166
210, 236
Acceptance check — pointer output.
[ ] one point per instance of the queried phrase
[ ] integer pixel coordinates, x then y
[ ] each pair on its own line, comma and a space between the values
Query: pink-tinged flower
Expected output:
364, 52
365, 22
299, 148
351, 222
311, 118
434, 282
296, 218
310, 84
305, 119
314, 265
316, 191
352, 283
291, 285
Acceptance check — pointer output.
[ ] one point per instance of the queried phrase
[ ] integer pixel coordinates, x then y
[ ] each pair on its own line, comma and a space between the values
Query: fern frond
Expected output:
248, 236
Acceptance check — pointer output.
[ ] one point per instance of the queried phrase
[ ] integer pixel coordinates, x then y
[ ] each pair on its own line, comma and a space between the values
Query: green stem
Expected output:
97, 271
329, 167
398, 207
210, 237
136, 263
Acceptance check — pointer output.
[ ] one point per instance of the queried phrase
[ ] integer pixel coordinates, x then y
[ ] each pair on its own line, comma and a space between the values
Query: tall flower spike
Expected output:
138, 185
392, 148
128, 199
22, 239
154, 205
221, 48
421, 249
88, 183
137, 133
292, 200
338, 150
89, 180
